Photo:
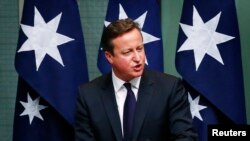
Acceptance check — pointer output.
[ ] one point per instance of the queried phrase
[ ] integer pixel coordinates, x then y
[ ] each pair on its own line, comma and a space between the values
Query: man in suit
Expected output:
132, 103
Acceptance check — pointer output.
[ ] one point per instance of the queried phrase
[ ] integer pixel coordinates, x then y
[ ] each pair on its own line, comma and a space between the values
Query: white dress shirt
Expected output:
121, 92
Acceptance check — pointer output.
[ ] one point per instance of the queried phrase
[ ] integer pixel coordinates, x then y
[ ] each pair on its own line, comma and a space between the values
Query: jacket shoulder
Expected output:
161, 76
97, 82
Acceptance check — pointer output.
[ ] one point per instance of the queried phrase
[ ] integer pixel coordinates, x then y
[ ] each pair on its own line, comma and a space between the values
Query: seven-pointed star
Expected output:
32, 108
147, 38
195, 108
43, 38
203, 39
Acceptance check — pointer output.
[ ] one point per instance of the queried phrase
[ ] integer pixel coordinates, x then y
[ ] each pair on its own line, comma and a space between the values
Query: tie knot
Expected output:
127, 85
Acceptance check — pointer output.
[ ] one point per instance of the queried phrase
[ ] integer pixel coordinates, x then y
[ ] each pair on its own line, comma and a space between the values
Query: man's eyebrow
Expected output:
140, 44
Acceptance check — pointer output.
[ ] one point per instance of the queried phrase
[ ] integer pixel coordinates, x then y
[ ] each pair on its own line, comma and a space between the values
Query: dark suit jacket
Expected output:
162, 111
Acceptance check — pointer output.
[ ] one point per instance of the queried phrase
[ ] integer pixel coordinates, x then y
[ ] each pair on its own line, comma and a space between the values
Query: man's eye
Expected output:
126, 52
140, 49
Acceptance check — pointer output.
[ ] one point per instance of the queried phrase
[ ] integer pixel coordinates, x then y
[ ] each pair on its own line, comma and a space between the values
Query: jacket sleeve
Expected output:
83, 127
180, 119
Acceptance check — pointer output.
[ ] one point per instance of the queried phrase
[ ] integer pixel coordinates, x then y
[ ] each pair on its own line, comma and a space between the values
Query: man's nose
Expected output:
136, 56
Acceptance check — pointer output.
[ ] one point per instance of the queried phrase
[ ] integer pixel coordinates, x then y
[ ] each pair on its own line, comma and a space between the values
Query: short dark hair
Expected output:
115, 29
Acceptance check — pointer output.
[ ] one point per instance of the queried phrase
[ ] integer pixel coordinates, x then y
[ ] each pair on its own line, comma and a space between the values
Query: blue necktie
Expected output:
128, 113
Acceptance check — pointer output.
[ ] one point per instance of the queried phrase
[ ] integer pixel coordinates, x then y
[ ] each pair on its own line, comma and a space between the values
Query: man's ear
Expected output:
109, 57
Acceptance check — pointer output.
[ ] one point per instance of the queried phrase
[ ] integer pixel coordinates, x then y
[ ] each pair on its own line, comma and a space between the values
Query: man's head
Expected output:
123, 45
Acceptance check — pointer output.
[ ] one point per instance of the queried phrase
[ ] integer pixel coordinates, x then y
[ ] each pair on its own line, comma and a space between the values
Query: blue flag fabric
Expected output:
51, 64
147, 14
209, 60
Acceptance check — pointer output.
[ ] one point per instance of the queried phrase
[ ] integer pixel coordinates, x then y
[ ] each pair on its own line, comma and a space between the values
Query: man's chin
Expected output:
138, 73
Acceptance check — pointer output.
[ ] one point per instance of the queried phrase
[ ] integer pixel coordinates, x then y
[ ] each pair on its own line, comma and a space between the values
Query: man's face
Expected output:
128, 59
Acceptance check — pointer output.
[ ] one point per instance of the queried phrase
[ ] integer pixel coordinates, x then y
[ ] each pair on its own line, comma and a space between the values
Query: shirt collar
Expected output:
118, 83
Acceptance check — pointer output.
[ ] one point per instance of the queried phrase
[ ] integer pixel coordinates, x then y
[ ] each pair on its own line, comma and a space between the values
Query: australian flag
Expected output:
147, 14
208, 58
51, 64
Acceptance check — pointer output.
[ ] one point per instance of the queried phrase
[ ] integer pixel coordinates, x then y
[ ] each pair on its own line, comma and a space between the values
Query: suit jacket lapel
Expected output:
144, 96
110, 105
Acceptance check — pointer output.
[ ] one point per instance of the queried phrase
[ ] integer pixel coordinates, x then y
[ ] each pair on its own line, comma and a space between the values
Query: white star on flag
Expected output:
147, 38
203, 39
32, 108
43, 38
195, 108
